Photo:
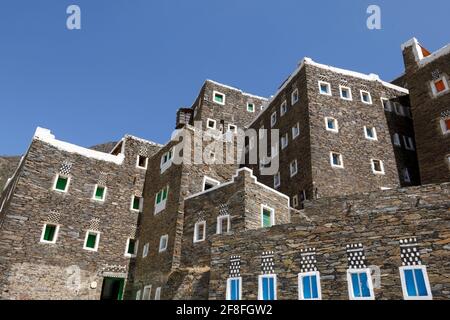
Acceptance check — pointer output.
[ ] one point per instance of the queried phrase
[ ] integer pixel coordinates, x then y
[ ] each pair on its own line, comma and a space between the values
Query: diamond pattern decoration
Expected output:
436, 74
53, 217
355, 256
267, 262
308, 261
409, 252
94, 225
223, 210
102, 179
235, 266
143, 151
66, 168
201, 216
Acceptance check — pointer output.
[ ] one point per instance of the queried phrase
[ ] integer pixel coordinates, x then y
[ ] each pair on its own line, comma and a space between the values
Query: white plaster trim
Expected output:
210, 180
136, 246
272, 215
374, 131
196, 230
137, 162
97, 240
362, 92
148, 290
427, 283
214, 98
254, 107
341, 89
158, 293
328, 85
293, 94
141, 201
295, 134
228, 297
336, 124
161, 248
420, 59
219, 224
260, 287
55, 237
104, 193
236, 89
341, 166
69, 180
381, 165
351, 293
300, 285
434, 89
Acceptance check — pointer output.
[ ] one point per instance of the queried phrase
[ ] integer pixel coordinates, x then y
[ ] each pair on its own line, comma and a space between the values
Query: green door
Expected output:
112, 288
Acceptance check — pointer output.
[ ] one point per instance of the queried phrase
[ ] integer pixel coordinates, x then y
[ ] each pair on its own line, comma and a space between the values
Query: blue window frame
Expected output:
415, 284
267, 287
360, 285
309, 286
234, 289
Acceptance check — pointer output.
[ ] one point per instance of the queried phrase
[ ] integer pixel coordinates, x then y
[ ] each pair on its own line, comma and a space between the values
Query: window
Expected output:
302, 198
284, 141
209, 183
366, 97
309, 286
211, 124
406, 176
99, 193
409, 143
234, 289
163, 241
146, 295
445, 126
200, 231
91, 241
219, 97
274, 150
295, 201
267, 216
250, 107
396, 140
136, 203
336, 160
145, 250
138, 295
267, 287
377, 166
131, 248
61, 183
370, 133
276, 180
439, 86
360, 285
50, 233
283, 108
273, 119
232, 128
158, 293
331, 124
293, 168
346, 93
324, 88
295, 131
161, 200
223, 224
399, 109
386, 105
294, 97
141, 162
166, 160
415, 284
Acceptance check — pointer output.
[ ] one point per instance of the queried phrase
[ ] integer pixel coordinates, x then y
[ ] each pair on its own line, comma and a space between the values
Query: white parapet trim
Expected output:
417, 49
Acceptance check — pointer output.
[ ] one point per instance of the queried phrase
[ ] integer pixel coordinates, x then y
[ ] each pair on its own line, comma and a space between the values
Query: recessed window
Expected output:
284, 140
141, 162
386, 104
219, 97
200, 231
325, 88
283, 108
250, 107
331, 124
295, 201
147, 293
294, 97
163, 241
439, 86
276, 180
346, 93
223, 224
158, 293
166, 160
99, 193
295, 131
145, 250
232, 128
91, 240
273, 119
61, 183
302, 198
396, 140
409, 143
211, 124
136, 203
360, 285
377, 166
293, 168
267, 287
209, 183
161, 199
336, 160
399, 109
445, 125
274, 150
234, 289
138, 295
131, 248
406, 175
267, 217
366, 97
309, 286
415, 283
50, 233
370, 133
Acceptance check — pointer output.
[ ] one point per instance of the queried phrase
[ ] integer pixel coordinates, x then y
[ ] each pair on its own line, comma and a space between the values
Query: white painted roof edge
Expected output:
425, 60
236, 89
143, 140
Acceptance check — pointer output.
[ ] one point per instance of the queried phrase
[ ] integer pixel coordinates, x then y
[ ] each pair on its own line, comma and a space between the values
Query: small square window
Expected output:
136, 203
250, 107
273, 119
370, 133
409, 143
142, 162
267, 217
386, 105
336, 160
232, 128
166, 160
445, 125
223, 224
158, 293
131, 248
325, 88
294, 97
439, 86
276, 180
200, 231
91, 241
163, 241
209, 183
331, 124
293, 168
49, 233
61, 183
283, 108
147, 293
99, 193
219, 98
284, 141
365, 97
145, 250
211, 124
346, 93
415, 283
295, 131
396, 140
377, 166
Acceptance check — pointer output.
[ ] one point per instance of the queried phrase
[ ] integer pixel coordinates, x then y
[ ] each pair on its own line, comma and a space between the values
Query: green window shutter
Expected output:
131, 246
218, 98
136, 203
99, 193
61, 183
92, 238
158, 197
49, 233
165, 191
267, 222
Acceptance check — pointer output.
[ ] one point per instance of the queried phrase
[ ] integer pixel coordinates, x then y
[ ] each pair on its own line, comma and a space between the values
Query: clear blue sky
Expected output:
135, 62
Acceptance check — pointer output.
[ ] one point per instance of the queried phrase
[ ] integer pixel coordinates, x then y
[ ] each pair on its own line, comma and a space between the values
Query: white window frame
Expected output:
374, 132
145, 250
293, 94
284, 141
341, 160
136, 246
328, 85
207, 179
97, 240
406, 175
219, 224
341, 90
162, 205
362, 92
396, 140
55, 237
433, 86
228, 294
196, 230
260, 287
161, 248
293, 173
275, 184
158, 293
219, 93
273, 119
147, 293
283, 108
272, 215
399, 109
232, 125
351, 293
336, 124
68, 177
138, 295
300, 285
141, 203
295, 134
425, 277
444, 128
137, 162
166, 165
409, 143
211, 120
251, 104
104, 193
274, 150
382, 172
295, 201
389, 104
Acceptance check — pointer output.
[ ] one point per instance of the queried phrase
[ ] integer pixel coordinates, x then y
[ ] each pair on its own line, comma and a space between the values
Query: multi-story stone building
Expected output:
342, 216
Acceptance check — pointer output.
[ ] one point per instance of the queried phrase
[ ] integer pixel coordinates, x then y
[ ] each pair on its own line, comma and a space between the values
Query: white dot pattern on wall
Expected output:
409, 252
356, 258
66, 168
267, 262
308, 260
235, 266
